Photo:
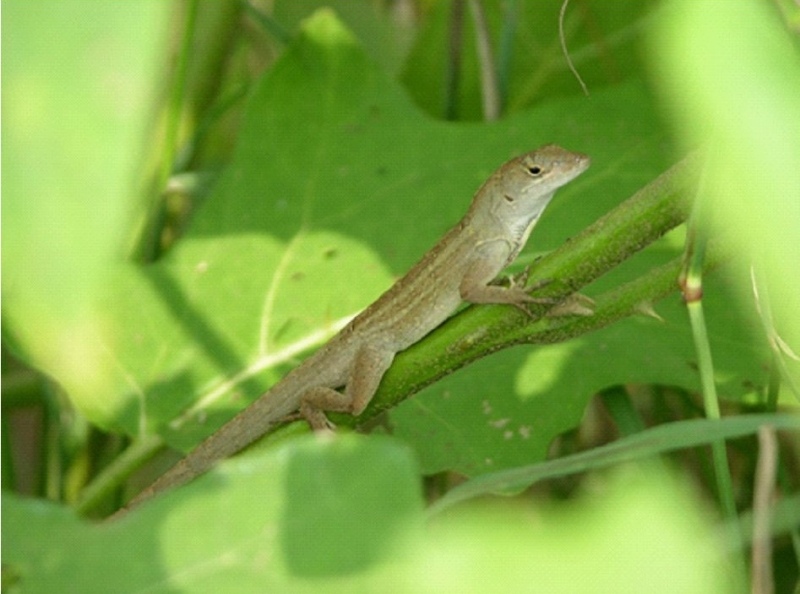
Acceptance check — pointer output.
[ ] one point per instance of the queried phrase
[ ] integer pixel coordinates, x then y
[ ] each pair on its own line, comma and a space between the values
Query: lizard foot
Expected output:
521, 280
576, 304
315, 417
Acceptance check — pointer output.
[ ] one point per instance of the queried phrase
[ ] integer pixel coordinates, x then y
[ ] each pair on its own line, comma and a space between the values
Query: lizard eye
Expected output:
509, 199
534, 169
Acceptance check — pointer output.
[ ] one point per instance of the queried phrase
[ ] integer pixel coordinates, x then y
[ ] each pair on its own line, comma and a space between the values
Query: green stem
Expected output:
691, 281
453, 71
651, 442
267, 23
148, 244
117, 472
505, 50
622, 411
490, 90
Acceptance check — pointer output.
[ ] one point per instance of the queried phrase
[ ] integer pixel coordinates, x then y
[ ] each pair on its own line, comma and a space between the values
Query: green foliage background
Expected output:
339, 175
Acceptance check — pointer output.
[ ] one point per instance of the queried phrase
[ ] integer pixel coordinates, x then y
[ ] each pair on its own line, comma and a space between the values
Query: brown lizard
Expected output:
458, 268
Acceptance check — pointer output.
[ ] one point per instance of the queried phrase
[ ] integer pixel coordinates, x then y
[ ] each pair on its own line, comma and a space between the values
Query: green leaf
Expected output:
205, 538
74, 115
503, 411
311, 509
648, 443
639, 531
751, 134
383, 37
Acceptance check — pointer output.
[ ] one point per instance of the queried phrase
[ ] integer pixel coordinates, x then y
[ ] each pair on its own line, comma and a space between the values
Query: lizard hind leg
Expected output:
366, 371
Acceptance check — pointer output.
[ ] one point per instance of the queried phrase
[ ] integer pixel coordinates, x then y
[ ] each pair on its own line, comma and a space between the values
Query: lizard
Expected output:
460, 267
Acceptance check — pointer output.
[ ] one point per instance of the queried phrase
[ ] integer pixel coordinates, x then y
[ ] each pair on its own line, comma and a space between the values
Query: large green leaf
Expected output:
309, 510
74, 113
345, 515
752, 138
504, 411
338, 184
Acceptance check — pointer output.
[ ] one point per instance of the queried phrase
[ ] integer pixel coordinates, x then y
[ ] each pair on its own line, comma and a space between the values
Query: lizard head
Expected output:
519, 191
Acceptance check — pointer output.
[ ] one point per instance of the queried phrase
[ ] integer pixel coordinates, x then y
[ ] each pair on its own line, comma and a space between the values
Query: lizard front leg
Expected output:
369, 365
475, 287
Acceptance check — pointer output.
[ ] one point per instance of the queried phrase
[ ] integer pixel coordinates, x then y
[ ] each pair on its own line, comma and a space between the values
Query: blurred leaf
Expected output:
353, 503
244, 537
384, 36
74, 114
745, 113
604, 542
